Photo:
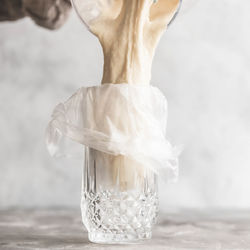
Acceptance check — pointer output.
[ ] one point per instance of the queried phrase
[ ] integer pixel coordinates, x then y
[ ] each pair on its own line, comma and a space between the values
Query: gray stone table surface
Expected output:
62, 229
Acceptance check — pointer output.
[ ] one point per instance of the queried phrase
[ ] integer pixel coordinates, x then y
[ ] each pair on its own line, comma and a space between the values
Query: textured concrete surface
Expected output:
183, 230
202, 65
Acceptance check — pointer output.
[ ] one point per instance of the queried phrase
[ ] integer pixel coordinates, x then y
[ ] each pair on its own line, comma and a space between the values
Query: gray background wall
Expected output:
202, 65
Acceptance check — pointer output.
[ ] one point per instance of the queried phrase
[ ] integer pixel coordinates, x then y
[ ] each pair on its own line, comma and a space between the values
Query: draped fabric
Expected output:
118, 119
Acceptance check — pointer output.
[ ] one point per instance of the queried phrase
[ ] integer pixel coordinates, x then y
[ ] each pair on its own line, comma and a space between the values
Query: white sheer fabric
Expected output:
118, 119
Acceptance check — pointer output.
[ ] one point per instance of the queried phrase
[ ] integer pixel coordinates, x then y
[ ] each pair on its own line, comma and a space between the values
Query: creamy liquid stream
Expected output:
129, 31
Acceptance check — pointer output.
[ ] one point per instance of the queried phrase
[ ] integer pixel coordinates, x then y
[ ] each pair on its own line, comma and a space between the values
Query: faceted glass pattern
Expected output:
112, 212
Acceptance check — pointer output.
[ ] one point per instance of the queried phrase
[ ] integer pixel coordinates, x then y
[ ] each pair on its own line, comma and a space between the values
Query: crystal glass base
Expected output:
119, 200
119, 217
112, 238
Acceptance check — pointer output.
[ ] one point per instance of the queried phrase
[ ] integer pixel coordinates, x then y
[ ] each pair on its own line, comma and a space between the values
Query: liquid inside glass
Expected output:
119, 199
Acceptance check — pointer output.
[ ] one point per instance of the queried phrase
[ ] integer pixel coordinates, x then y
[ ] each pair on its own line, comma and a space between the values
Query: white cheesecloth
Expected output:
118, 119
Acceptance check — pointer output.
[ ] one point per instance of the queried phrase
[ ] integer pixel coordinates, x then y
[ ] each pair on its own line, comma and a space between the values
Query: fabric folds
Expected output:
118, 119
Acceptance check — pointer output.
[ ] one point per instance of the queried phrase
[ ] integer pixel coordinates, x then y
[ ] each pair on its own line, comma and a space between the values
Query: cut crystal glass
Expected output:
119, 201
